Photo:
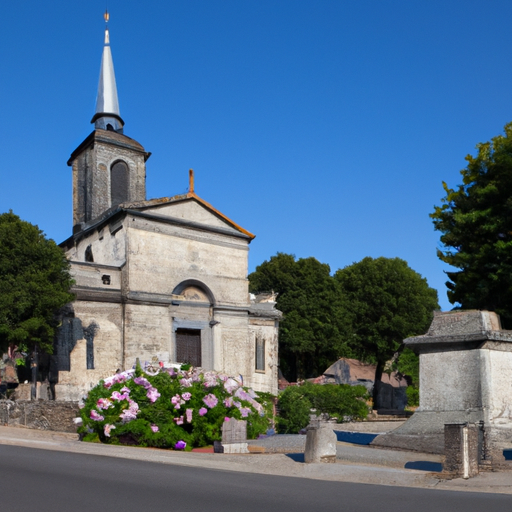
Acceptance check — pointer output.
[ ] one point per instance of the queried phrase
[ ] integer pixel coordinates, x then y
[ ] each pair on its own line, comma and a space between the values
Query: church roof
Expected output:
143, 205
139, 209
110, 137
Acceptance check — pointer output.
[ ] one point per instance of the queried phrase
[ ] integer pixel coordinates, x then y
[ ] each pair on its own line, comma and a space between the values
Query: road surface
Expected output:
52, 481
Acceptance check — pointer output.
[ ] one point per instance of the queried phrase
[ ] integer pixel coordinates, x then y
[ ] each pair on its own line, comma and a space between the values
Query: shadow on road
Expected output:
297, 457
355, 437
424, 465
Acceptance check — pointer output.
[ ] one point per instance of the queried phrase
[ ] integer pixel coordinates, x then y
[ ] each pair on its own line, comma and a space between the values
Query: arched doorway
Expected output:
192, 337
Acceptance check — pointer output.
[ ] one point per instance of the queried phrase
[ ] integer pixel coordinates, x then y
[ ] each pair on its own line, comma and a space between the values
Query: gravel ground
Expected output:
373, 427
295, 443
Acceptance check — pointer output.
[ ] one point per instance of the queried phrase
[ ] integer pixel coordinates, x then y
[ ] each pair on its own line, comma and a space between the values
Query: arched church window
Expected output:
88, 256
119, 183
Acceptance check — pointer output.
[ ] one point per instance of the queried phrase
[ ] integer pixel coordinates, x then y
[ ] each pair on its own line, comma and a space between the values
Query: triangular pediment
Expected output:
192, 209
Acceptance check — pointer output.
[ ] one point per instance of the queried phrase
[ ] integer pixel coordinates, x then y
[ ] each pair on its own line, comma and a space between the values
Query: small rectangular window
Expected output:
260, 353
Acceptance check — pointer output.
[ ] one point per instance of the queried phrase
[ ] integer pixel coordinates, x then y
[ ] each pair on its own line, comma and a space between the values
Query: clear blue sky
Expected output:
324, 127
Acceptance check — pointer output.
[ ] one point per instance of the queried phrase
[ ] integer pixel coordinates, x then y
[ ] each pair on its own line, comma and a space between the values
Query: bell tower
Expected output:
108, 167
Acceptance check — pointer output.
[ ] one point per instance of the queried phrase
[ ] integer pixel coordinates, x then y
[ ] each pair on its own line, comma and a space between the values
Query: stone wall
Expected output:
39, 414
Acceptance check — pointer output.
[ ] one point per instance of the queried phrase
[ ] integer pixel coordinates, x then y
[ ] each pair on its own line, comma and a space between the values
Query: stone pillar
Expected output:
320, 440
462, 449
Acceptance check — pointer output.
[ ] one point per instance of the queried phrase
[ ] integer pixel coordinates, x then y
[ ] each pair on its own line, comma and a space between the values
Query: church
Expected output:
156, 280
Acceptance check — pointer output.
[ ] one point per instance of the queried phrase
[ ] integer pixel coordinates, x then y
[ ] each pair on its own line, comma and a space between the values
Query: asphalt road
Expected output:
51, 481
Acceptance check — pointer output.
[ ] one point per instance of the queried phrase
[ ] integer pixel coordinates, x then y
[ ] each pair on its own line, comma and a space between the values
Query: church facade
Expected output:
162, 279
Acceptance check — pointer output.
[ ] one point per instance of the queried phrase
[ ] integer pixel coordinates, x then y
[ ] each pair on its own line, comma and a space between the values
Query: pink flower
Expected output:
141, 381
177, 401
189, 415
240, 393
228, 402
152, 394
125, 390
107, 428
127, 416
210, 400
104, 403
231, 385
226, 418
119, 377
118, 396
186, 383
179, 421
96, 416
154, 428
245, 411
202, 411
180, 445
186, 396
131, 413
210, 380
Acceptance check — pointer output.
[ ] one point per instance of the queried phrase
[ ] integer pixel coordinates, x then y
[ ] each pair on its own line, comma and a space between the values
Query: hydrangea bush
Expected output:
175, 408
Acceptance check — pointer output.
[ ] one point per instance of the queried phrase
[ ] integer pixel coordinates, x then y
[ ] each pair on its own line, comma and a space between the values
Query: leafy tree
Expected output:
476, 225
408, 364
311, 334
386, 301
34, 284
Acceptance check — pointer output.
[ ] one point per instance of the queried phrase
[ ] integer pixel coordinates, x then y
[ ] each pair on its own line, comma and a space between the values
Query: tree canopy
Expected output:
34, 284
311, 334
385, 302
365, 310
475, 220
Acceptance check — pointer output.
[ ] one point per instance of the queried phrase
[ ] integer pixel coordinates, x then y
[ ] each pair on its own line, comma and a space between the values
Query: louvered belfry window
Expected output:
119, 183
188, 346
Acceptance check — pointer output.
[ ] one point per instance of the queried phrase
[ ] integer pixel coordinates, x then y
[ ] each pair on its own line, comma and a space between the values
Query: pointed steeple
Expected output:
107, 116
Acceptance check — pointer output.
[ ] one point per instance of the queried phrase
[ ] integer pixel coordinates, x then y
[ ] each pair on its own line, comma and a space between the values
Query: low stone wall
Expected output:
39, 414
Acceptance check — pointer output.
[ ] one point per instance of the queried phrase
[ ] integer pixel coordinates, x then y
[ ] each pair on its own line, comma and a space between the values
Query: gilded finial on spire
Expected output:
107, 116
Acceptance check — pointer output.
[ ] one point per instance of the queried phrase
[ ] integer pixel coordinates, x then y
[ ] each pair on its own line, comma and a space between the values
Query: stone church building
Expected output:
164, 278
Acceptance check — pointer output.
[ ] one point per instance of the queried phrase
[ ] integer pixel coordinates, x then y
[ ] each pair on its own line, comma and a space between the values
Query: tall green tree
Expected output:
311, 333
475, 221
34, 284
385, 302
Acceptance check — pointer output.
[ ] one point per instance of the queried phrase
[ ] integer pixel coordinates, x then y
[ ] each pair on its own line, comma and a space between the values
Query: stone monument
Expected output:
234, 437
465, 377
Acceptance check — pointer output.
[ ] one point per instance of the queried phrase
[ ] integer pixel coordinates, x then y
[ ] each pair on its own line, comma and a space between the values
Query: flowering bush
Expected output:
179, 409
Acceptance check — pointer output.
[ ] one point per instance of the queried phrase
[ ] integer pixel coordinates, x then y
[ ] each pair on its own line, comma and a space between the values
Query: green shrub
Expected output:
413, 396
170, 408
340, 401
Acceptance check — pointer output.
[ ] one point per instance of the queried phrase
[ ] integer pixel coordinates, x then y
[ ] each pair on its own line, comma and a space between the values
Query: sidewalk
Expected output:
357, 464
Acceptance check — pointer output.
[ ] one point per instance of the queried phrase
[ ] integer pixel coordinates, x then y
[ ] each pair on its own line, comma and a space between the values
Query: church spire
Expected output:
107, 116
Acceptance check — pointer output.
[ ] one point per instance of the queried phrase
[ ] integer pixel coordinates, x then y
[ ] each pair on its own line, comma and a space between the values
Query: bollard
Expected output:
320, 441
461, 449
